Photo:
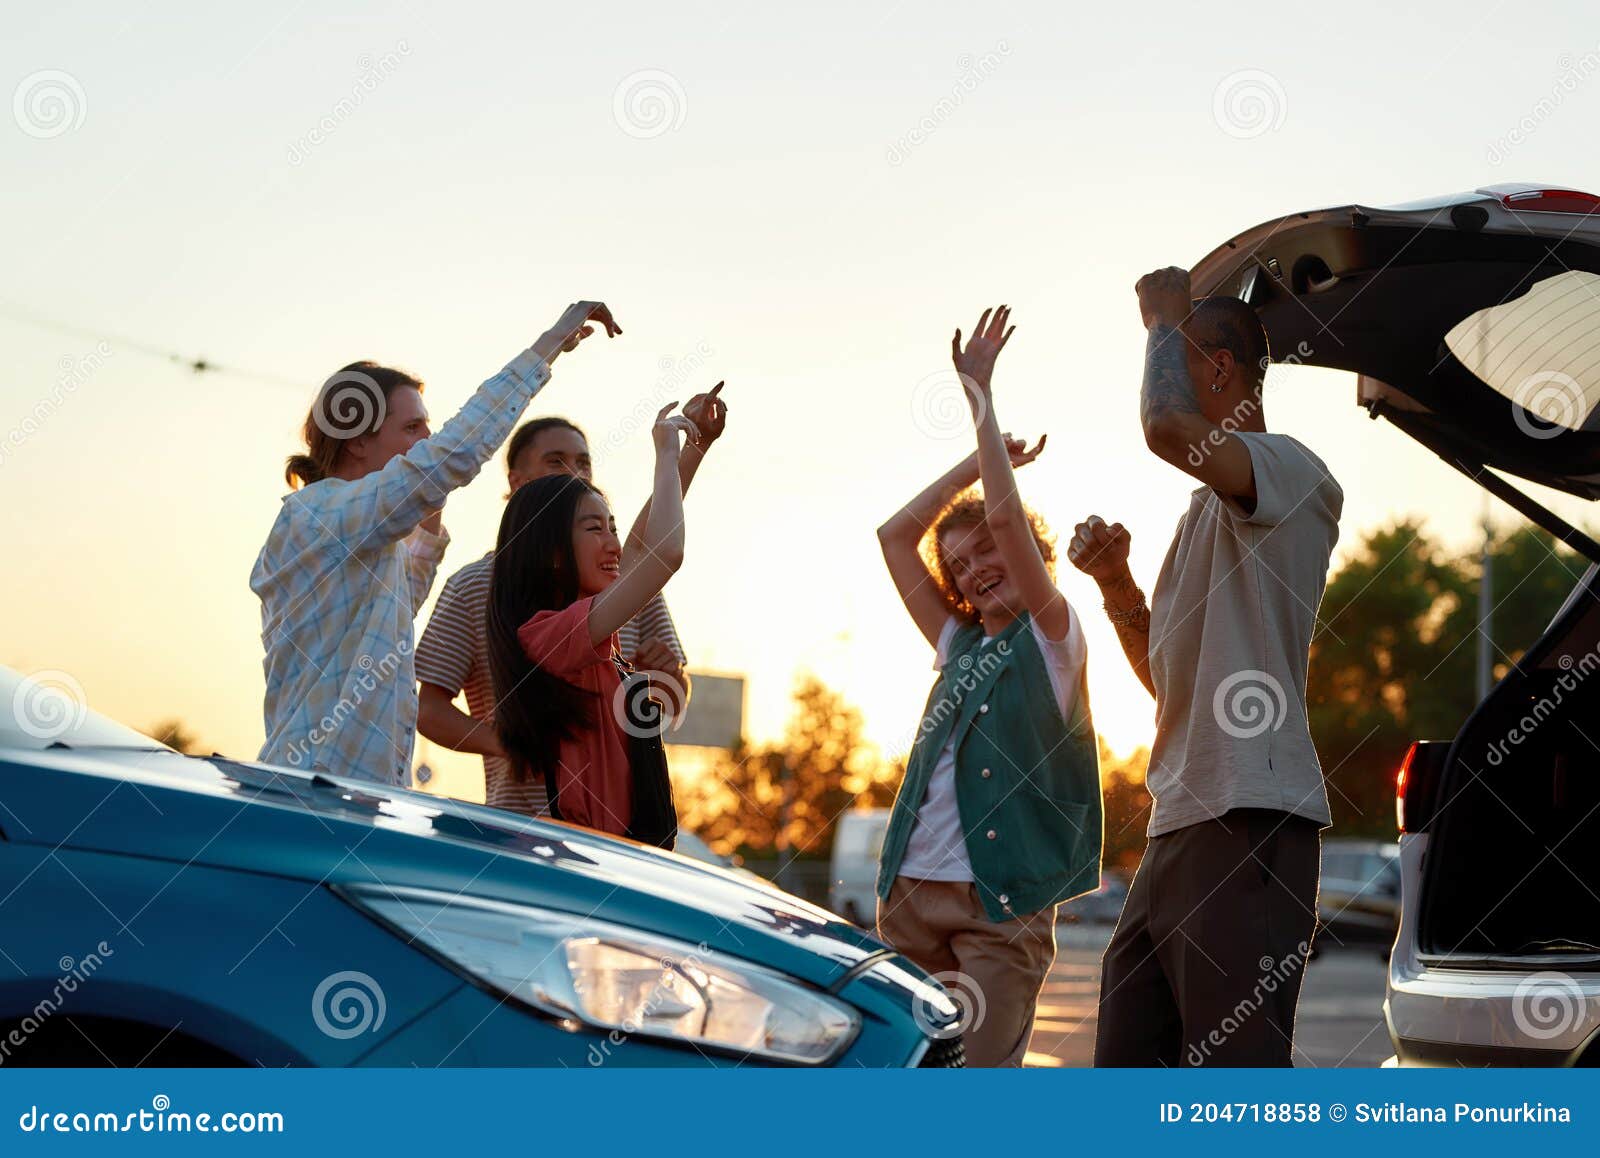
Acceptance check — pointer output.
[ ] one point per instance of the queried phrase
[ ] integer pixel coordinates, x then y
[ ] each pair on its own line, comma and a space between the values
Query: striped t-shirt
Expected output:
454, 654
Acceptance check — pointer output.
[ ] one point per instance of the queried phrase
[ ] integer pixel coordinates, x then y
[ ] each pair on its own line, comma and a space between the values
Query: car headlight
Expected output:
615, 978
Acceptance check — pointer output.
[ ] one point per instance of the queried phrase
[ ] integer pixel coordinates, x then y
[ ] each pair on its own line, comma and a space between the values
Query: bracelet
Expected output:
1132, 614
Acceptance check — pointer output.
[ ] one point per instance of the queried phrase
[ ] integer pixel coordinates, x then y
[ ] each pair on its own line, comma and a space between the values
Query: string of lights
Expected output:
196, 365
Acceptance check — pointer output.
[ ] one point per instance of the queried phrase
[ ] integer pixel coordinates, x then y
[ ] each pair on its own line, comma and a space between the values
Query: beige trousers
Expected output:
994, 968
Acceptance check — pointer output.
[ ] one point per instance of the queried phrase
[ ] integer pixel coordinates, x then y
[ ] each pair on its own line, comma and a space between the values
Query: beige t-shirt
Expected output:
1231, 622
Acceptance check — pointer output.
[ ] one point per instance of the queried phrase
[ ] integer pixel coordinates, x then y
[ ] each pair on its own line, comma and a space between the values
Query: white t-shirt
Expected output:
937, 850
1231, 621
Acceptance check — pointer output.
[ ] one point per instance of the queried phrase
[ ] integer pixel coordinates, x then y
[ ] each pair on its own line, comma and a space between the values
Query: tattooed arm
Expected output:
1177, 351
1101, 552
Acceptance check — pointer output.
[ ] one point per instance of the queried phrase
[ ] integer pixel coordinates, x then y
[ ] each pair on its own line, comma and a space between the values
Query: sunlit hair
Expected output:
968, 511
528, 433
535, 570
351, 403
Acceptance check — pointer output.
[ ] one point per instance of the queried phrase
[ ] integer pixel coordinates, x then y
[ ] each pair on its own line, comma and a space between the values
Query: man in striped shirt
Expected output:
354, 549
453, 654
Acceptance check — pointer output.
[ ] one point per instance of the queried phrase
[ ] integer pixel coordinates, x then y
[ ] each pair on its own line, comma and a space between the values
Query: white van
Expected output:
852, 883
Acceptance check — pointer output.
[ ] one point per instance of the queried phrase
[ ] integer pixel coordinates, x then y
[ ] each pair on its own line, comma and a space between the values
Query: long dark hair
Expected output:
534, 570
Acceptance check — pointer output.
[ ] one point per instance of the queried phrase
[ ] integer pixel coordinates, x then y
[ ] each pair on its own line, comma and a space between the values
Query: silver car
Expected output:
1473, 322
1358, 896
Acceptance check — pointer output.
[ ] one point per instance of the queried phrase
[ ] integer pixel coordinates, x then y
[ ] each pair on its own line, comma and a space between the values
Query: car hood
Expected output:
329, 831
1473, 319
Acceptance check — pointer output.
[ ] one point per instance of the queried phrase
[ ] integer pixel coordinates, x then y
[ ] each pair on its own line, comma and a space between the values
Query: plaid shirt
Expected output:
341, 578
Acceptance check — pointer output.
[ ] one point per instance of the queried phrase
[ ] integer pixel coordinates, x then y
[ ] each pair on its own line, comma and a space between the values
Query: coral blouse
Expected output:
594, 781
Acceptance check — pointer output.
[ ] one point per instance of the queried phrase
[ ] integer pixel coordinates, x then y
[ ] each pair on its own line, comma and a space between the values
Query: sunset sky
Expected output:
803, 207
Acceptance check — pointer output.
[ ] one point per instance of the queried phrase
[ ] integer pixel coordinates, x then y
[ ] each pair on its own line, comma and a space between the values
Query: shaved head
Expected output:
1229, 324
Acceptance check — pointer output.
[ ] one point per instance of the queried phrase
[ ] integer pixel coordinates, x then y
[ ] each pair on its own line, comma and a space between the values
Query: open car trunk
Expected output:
1514, 849
1473, 323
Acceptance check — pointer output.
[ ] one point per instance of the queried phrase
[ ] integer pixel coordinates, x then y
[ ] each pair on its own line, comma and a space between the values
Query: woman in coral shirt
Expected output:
560, 590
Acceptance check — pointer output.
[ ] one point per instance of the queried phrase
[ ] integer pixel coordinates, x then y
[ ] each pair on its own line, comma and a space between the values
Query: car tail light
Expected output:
1416, 785
1552, 201
1400, 788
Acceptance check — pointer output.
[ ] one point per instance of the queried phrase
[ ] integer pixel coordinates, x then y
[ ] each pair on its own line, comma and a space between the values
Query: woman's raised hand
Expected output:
975, 363
668, 426
1020, 455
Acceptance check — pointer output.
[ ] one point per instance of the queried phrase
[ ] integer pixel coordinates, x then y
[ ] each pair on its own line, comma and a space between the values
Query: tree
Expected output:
824, 766
789, 794
1395, 652
1383, 669
1533, 574
1127, 806
174, 734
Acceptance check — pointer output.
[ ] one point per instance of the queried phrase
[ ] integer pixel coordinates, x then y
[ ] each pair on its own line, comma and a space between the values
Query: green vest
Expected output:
1027, 781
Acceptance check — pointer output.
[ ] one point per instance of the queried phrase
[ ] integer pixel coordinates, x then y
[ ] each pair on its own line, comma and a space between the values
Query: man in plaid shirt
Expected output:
353, 553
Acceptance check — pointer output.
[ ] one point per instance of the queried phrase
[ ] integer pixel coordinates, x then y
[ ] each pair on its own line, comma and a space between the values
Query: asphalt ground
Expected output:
1340, 1021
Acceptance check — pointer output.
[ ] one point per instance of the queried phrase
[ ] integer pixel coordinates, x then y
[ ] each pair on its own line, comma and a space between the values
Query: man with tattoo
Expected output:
1206, 963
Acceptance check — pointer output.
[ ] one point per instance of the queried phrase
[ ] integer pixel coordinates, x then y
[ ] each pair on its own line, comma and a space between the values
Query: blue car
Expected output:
163, 909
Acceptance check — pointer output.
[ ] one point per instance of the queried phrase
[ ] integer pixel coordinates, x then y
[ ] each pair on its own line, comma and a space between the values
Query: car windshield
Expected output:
1541, 350
48, 708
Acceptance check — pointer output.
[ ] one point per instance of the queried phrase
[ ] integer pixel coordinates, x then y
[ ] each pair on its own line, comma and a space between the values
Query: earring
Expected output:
1215, 389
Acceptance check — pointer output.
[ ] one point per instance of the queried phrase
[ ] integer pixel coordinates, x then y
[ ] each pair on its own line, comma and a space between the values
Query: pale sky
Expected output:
803, 201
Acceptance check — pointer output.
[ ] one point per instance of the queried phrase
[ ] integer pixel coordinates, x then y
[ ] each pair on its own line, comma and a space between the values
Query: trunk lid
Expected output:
1473, 322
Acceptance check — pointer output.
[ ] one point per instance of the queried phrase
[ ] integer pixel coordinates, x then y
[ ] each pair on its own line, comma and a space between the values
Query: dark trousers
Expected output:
1206, 963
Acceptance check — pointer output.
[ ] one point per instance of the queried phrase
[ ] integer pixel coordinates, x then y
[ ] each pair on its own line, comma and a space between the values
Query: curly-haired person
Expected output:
999, 818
